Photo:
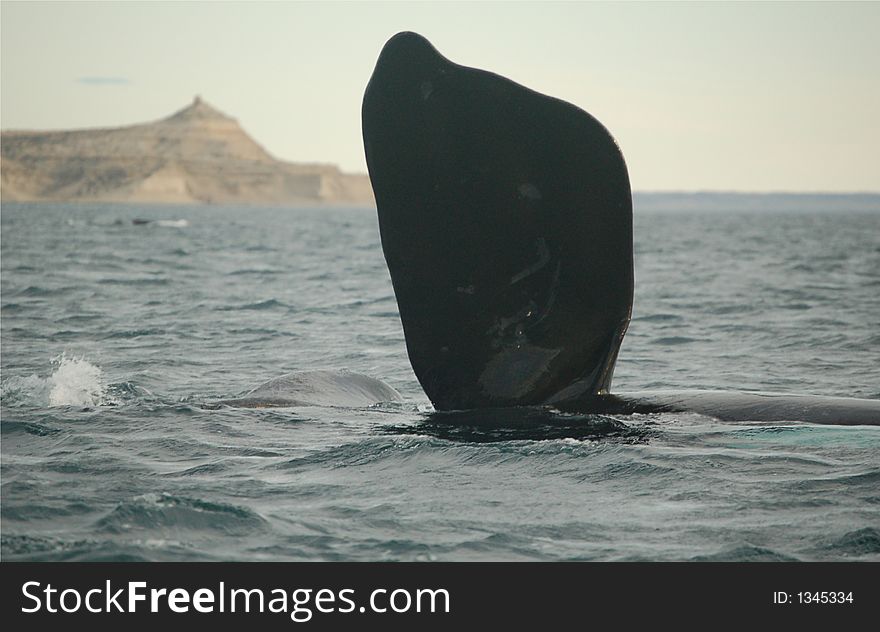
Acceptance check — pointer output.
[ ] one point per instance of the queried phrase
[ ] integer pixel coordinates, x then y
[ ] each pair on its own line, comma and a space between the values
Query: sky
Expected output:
700, 96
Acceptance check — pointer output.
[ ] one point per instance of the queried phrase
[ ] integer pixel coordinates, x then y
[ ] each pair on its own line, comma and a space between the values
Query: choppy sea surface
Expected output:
115, 336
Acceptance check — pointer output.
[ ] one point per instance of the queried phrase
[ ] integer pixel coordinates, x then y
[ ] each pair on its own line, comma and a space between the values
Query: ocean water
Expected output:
117, 337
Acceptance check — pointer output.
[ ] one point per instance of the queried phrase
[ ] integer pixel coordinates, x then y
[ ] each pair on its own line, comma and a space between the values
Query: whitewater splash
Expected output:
74, 382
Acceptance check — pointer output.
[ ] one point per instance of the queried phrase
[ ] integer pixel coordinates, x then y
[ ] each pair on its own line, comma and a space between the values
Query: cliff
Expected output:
197, 155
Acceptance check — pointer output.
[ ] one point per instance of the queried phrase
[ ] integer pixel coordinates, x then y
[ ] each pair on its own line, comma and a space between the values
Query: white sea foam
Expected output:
173, 223
74, 382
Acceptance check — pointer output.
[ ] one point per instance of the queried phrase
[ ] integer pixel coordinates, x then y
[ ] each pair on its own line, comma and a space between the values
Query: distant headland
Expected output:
198, 155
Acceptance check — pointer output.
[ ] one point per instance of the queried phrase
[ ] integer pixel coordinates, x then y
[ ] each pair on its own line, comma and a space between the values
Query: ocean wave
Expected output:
52, 549
37, 291
159, 512
745, 553
857, 543
135, 333
40, 548
363, 452
418, 449
136, 281
10, 427
659, 317
259, 305
256, 272
674, 340
869, 480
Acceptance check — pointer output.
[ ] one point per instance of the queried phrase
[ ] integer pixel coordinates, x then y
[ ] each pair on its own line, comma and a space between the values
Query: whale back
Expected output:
343, 389
506, 223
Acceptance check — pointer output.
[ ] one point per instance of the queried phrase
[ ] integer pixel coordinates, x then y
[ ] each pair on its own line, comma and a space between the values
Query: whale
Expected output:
734, 406
329, 388
505, 218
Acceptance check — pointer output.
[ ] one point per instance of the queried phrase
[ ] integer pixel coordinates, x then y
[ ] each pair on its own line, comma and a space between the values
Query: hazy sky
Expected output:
739, 96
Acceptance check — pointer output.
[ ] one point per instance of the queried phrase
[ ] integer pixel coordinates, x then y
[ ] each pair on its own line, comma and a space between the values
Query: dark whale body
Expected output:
506, 223
737, 406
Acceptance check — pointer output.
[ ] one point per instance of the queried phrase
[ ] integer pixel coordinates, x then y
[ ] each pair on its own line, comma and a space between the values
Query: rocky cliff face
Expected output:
197, 155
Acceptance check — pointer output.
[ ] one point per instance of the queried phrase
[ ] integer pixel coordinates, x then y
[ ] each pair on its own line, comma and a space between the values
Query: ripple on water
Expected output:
135, 281
53, 549
745, 553
856, 543
674, 340
156, 512
268, 304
